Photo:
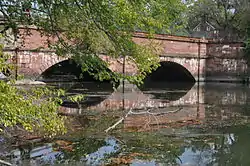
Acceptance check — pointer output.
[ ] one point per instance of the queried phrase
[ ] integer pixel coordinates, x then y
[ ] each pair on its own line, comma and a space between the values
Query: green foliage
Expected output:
76, 98
4, 67
83, 29
86, 28
81, 148
231, 18
247, 47
33, 110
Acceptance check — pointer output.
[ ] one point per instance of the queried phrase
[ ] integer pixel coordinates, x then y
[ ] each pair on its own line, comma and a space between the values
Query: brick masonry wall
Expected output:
181, 47
32, 39
116, 65
225, 62
31, 64
223, 67
230, 50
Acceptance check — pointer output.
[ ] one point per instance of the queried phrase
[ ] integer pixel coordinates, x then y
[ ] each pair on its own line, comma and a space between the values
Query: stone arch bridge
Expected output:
203, 59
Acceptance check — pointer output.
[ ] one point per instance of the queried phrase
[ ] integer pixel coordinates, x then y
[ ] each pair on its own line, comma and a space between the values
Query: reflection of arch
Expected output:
166, 91
134, 98
94, 93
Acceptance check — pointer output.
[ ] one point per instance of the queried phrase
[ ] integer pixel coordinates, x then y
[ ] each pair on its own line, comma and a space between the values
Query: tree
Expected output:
86, 28
228, 16
34, 110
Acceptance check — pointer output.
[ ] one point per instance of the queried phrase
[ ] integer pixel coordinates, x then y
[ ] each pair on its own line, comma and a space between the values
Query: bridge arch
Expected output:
45, 61
83, 83
169, 82
33, 64
64, 68
192, 67
170, 71
68, 69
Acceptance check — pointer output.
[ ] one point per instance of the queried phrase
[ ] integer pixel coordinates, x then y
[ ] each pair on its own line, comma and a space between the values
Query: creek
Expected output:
156, 124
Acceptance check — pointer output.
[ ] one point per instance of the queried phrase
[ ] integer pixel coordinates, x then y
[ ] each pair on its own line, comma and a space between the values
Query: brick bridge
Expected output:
204, 60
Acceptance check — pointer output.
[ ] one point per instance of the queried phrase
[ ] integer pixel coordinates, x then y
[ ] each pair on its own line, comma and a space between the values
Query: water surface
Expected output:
164, 124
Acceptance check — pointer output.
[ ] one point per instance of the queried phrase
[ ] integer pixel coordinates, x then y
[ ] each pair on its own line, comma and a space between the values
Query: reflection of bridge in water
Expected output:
162, 106
150, 109
131, 97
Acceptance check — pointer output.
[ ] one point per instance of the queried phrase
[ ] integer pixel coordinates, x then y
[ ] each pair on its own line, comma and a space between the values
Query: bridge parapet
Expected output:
174, 46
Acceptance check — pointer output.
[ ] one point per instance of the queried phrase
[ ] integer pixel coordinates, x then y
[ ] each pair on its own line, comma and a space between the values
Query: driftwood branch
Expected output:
162, 113
5, 163
118, 122
138, 113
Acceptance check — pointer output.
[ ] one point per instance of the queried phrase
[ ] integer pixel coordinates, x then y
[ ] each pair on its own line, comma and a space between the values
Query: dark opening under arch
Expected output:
66, 70
170, 72
70, 71
170, 81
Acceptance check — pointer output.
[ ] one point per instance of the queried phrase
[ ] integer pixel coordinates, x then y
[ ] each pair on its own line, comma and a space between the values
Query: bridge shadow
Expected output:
94, 93
170, 72
166, 90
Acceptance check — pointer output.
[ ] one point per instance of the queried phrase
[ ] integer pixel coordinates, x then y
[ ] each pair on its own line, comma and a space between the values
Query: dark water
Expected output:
164, 124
